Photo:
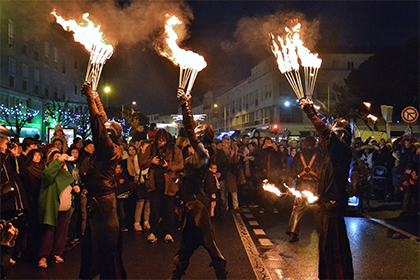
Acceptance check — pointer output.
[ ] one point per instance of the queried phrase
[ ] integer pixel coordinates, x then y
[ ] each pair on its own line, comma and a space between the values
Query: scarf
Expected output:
133, 166
36, 169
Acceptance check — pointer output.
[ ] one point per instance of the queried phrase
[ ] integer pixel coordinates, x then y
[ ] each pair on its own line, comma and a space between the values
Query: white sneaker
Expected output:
169, 239
137, 227
152, 238
146, 225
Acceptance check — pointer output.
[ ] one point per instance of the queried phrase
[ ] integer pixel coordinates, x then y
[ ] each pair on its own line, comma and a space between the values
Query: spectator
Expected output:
77, 143
152, 132
141, 194
75, 226
86, 152
122, 192
211, 185
409, 185
32, 183
164, 161
139, 134
59, 134
55, 200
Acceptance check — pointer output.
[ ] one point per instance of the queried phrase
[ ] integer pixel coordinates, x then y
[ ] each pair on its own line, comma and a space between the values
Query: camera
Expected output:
71, 159
11, 145
161, 156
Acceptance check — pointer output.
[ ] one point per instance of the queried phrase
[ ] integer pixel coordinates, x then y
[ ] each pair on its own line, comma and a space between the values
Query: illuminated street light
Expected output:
134, 103
215, 105
287, 103
107, 89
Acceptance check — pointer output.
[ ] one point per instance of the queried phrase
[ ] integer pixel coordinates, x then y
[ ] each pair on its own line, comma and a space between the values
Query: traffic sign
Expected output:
409, 114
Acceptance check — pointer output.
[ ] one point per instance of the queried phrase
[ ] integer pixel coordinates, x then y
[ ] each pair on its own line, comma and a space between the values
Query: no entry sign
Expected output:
409, 114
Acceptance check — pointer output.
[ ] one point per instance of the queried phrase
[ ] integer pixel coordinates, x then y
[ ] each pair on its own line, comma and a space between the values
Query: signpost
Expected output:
409, 114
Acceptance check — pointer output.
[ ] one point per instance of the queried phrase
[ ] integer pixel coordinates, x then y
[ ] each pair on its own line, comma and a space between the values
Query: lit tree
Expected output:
62, 113
17, 117
82, 123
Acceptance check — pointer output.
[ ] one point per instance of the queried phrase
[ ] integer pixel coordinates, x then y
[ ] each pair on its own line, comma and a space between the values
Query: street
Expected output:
255, 246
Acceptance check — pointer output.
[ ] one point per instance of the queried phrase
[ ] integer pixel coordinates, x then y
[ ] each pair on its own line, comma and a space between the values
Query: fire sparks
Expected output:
288, 51
190, 63
93, 40
273, 189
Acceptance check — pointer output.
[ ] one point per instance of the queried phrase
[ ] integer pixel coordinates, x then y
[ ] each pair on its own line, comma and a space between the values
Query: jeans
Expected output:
142, 204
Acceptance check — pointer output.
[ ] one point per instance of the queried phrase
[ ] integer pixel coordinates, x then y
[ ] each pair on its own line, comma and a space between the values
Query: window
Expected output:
36, 76
12, 72
46, 53
36, 55
64, 67
11, 33
36, 89
56, 58
25, 49
46, 92
350, 65
75, 90
25, 76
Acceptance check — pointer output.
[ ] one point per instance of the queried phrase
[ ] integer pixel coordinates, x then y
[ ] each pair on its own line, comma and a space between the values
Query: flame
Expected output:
89, 36
309, 196
291, 48
178, 56
372, 117
367, 104
271, 188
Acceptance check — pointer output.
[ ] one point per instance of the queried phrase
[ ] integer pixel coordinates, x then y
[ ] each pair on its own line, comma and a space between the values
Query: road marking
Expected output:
265, 242
394, 228
258, 231
249, 216
245, 210
260, 270
253, 223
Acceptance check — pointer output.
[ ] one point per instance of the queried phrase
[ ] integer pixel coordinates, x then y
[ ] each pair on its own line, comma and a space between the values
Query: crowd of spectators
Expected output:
50, 192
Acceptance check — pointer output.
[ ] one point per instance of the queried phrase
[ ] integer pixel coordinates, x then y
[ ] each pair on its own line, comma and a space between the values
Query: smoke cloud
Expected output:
252, 35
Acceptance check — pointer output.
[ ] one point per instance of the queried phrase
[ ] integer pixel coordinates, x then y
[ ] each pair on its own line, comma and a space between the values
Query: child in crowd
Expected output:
211, 185
122, 192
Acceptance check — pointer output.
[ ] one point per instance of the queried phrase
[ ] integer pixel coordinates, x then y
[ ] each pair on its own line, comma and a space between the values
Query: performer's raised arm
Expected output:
193, 133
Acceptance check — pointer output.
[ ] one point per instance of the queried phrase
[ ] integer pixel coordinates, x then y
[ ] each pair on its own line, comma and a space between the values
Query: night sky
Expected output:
230, 36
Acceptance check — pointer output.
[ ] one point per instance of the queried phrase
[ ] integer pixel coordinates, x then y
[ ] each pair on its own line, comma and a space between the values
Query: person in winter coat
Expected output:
54, 206
164, 160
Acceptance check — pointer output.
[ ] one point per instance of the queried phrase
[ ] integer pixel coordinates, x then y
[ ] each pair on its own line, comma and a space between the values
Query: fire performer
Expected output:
196, 229
305, 169
335, 260
102, 243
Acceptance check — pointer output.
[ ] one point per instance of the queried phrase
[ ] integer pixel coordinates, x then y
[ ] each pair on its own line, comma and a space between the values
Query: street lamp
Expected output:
134, 103
107, 90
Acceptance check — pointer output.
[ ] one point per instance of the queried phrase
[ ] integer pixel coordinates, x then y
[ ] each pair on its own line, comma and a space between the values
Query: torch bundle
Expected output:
288, 54
273, 189
190, 63
92, 39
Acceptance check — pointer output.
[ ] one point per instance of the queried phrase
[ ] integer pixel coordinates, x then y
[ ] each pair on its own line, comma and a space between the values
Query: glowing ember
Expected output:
93, 40
271, 188
288, 54
372, 117
367, 104
190, 63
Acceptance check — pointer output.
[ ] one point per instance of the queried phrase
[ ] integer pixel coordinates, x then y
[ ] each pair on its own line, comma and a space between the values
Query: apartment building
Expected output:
40, 62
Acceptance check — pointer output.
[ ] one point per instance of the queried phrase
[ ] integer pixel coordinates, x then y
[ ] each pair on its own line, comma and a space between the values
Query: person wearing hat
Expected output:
102, 243
305, 170
335, 260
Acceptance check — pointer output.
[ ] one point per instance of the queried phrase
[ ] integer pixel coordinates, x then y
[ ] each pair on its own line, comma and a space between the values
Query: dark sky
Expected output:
227, 34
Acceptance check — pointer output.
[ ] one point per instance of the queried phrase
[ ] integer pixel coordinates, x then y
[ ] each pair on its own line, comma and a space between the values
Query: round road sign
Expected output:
409, 114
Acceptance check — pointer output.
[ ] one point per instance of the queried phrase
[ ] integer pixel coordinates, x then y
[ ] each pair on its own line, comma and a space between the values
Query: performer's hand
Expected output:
9, 235
182, 95
306, 102
87, 89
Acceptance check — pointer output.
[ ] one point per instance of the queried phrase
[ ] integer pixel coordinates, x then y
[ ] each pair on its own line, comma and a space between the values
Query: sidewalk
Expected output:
389, 213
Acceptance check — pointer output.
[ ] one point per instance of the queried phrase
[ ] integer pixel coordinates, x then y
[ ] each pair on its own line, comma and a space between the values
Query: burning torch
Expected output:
93, 40
288, 50
189, 63
292, 191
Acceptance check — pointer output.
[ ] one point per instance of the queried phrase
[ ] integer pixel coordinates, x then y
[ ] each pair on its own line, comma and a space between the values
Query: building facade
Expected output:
40, 63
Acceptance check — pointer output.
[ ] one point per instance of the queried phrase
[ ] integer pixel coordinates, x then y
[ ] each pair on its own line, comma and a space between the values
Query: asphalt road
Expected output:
255, 246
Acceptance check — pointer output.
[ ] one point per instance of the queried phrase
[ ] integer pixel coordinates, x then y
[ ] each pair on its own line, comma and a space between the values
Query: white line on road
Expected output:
260, 270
